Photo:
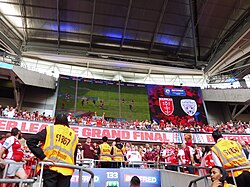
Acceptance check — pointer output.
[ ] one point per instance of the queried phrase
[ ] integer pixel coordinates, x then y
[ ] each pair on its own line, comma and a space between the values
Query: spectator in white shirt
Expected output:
134, 157
11, 112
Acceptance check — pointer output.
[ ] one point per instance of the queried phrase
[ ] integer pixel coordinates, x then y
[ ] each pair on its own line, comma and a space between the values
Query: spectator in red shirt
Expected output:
157, 153
149, 157
88, 149
162, 125
207, 160
14, 154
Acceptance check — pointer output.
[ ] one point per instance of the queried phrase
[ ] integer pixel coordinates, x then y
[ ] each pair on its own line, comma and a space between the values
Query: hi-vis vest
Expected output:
105, 150
118, 154
229, 185
230, 154
60, 146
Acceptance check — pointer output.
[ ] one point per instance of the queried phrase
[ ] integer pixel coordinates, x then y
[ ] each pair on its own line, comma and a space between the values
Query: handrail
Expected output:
228, 170
142, 162
7, 163
9, 180
80, 168
20, 181
234, 169
198, 179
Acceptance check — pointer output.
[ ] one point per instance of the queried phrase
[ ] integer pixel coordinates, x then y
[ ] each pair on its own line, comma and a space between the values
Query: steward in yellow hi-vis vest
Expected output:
59, 146
104, 153
118, 153
230, 155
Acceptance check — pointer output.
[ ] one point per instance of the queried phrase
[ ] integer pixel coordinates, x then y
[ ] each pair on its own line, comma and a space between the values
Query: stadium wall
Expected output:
226, 95
168, 179
7, 101
244, 117
217, 112
39, 99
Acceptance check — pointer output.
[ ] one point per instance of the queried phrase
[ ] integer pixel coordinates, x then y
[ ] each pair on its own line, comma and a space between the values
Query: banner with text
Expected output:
119, 177
32, 127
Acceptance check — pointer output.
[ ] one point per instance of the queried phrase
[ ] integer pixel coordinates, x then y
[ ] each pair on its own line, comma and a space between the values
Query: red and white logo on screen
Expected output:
166, 105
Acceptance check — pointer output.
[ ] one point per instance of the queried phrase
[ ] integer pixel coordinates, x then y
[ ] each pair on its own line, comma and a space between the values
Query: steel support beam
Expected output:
188, 25
9, 43
92, 25
238, 61
11, 26
58, 24
234, 110
126, 24
242, 28
191, 8
196, 27
16, 93
238, 67
217, 41
158, 25
241, 110
242, 74
24, 20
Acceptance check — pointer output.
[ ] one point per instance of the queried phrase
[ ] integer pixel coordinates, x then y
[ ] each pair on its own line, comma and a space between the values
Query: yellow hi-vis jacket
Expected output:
60, 146
230, 154
105, 150
229, 185
118, 154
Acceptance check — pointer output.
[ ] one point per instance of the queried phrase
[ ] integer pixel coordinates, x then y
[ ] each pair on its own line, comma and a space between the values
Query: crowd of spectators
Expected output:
236, 127
142, 155
13, 112
229, 127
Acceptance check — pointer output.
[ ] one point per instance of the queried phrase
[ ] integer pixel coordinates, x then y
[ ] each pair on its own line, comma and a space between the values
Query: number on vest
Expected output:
62, 139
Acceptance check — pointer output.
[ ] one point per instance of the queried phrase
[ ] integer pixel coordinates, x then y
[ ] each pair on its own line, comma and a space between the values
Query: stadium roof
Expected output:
208, 35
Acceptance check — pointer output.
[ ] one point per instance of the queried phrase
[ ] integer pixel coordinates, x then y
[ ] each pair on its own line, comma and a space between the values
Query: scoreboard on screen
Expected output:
178, 104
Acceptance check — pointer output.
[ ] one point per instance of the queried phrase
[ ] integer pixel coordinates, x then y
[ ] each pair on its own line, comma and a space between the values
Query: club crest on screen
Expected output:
189, 106
166, 105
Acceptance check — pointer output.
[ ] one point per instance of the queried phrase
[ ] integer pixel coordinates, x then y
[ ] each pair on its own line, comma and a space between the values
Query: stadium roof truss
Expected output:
185, 37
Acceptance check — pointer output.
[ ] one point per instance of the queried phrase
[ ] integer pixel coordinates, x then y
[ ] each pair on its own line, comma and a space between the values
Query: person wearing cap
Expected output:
229, 154
59, 146
118, 151
104, 152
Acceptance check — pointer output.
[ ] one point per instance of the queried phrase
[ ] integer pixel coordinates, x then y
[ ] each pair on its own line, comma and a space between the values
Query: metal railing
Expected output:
91, 163
194, 182
7, 164
231, 170
80, 168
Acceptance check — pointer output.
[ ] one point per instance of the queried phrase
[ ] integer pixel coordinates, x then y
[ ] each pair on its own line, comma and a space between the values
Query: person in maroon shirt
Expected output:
149, 157
88, 149
157, 155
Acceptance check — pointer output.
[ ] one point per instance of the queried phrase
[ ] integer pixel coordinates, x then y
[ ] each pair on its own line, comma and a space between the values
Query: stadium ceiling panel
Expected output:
207, 35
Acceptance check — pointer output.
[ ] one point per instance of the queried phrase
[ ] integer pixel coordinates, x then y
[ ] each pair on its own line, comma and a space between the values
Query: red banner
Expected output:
32, 127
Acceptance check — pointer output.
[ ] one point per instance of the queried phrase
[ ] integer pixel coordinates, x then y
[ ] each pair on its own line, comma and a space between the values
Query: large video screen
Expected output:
130, 101
126, 101
177, 104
